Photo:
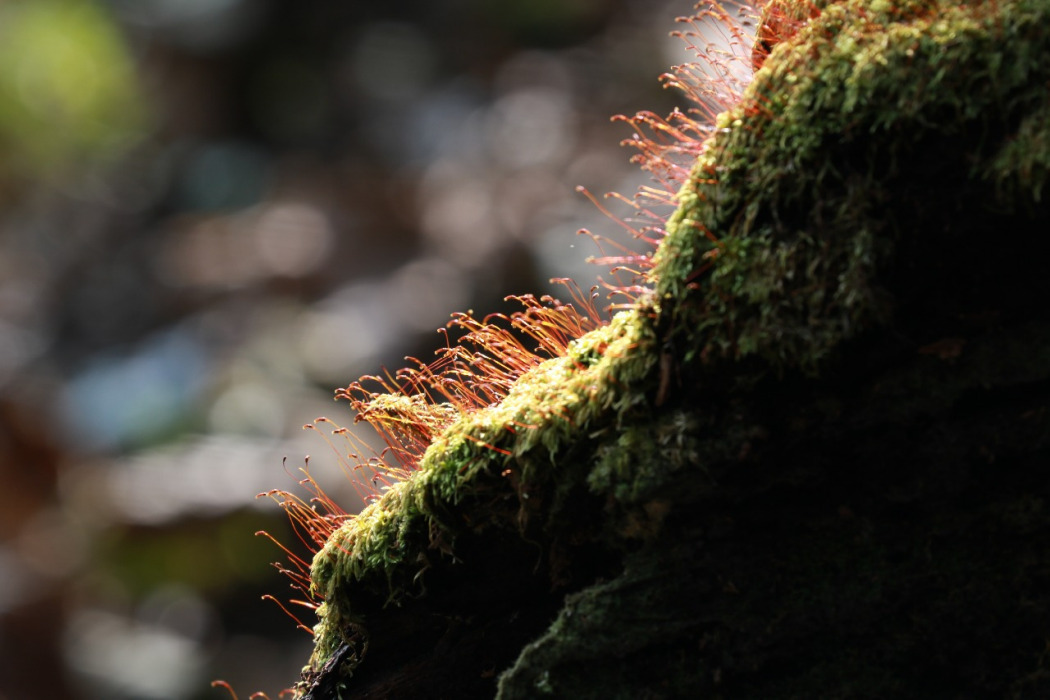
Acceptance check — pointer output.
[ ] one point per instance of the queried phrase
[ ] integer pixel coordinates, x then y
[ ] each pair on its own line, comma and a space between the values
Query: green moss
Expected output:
513, 448
814, 216
1020, 167
590, 630
795, 185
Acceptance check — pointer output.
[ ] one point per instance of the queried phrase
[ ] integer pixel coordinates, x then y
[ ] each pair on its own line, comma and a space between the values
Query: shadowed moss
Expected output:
866, 188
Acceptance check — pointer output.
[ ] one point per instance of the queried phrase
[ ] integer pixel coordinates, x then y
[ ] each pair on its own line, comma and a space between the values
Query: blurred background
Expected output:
212, 214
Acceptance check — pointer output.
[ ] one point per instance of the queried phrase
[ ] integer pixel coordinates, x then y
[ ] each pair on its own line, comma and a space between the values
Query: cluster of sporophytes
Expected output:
775, 255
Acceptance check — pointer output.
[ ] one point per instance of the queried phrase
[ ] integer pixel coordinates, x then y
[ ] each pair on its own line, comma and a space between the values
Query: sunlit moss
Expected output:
775, 257
792, 188
514, 444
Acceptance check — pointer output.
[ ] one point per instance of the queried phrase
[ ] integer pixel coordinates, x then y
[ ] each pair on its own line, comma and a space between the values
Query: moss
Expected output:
1020, 167
795, 185
589, 633
512, 448
858, 195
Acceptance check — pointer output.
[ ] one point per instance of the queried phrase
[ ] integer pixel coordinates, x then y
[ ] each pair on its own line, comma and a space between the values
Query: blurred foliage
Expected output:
206, 555
546, 22
68, 89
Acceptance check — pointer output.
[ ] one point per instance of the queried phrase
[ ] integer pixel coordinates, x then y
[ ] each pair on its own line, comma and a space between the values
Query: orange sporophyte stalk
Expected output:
254, 696
780, 20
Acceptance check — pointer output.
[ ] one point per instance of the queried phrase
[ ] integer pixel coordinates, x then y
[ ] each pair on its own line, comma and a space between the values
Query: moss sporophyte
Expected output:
776, 246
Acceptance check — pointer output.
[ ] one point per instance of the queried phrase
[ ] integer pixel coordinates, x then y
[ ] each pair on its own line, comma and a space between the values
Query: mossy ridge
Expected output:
516, 444
862, 84
786, 296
